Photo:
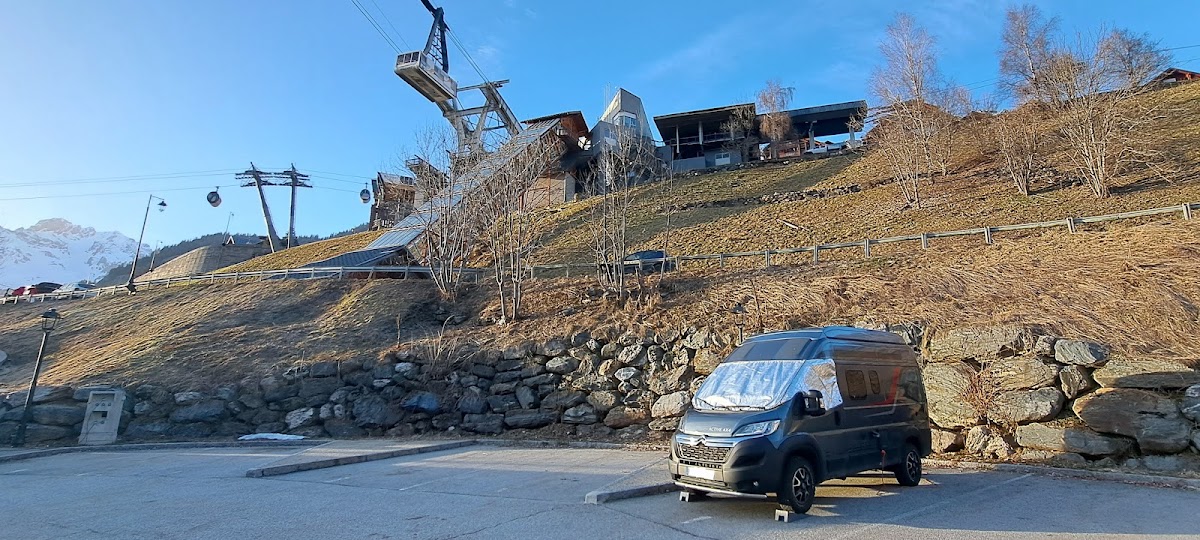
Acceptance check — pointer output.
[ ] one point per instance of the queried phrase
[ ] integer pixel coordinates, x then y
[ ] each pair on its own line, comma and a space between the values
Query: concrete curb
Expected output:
34, 454
349, 460
600, 496
1081, 474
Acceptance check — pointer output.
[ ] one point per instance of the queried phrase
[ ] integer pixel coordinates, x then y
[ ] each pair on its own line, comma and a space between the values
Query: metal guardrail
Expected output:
342, 272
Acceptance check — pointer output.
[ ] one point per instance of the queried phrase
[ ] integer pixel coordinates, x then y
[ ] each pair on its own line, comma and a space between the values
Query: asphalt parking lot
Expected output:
517, 492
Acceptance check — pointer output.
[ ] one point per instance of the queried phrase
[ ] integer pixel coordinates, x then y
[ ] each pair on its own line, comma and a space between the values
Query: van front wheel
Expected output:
799, 486
908, 472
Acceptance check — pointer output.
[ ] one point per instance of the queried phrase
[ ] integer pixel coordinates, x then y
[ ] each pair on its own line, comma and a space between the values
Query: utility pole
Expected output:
258, 179
254, 177
295, 180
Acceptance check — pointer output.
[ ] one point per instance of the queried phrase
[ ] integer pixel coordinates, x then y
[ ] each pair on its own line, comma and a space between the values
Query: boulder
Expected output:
1170, 464
945, 387
531, 369
35, 433
323, 369
670, 405
527, 397
407, 370
664, 424
981, 343
672, 380
343, 429
1152, 419
1025, 406
1075, 381
188, 398
472, 403
580, 414
422, 401
1196, 440
504, 403
1079, 440
1152, 374
1054, 459
445, 421
562, 365
603, 401
947, 441
633, 355
627, 373
563, 399
608, 368
622, 416
271, 427
372, 411
529, 419
518, 351
545, 378
44, 394
52, 414
1190, 406
505, 387
554, 347
1020, 373
610, 350
210, 410
705, 361
299, 418
1080, 353
988, 442
312, 387
484, 423
697, 340
140, 428
276, 389
1044, 347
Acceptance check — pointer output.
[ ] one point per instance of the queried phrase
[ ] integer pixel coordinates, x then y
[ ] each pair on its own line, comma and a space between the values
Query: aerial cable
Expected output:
375, 24
393, 27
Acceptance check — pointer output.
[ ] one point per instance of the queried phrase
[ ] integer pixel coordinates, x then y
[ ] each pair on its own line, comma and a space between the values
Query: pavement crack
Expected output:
502, 523
667, 525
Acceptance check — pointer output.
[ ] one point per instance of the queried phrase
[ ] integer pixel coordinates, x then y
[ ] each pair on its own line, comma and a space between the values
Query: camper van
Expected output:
788, 410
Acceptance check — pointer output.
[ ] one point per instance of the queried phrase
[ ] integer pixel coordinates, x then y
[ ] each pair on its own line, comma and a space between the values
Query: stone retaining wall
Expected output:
1001, 392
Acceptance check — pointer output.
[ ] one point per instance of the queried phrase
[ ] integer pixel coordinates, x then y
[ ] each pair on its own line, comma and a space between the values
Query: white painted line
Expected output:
693, 520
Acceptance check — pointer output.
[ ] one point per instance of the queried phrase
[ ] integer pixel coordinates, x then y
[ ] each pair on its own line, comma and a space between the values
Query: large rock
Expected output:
1122, 372
980, 343
343, 429
372, 411
1077, 440
1075, 381
52, 414
422, 401
44, 394
504, 403
1080, 353
1152, 419
210, 410
143, 428
276, 389
524, 418
670, 405
472, 403
988, 442
563, 399
313, 387
1190, 406
633, 355
672, 380
527, 397
1021, 373
562, 365
946, 387
603, 401
491, 424
622, 416
664, 424
35, 433
627, 373
580, 414
947, 441
705, 361
301, 418
697, 340
188, 398
323, 369
1025, 406
554, 347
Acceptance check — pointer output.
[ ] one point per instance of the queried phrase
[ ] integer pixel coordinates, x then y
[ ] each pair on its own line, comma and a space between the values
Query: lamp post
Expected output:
740, 312
162, 204
49, 319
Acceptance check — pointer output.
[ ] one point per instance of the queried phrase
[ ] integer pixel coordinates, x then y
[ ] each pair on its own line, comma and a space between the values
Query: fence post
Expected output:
568, 270
816, 254
721, 260
867, 247
987, 235
1187, 211
767, 258
924, 240
1071, 225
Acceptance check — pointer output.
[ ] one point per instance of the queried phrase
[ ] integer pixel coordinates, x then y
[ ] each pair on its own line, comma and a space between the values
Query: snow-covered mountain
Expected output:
59, 251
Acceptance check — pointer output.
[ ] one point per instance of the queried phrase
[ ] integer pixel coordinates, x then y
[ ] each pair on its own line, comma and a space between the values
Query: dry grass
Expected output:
1136, 287
307, 253
203, 335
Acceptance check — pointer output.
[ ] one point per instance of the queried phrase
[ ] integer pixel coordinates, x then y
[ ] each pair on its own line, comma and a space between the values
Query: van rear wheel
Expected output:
799, 486
908, 471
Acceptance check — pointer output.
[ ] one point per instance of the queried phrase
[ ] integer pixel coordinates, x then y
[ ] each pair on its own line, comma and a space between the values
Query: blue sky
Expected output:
123, 88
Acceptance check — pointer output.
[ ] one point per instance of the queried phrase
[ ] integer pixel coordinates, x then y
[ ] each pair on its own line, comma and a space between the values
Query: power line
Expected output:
375, 24
343, 180
467, 55
115, 179
389, 21
109, 193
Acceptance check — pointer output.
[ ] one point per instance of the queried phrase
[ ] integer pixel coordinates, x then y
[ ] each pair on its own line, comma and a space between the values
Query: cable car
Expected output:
214, 198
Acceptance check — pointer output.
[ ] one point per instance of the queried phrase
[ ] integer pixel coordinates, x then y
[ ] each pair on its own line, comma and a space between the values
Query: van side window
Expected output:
874, 377
856, 384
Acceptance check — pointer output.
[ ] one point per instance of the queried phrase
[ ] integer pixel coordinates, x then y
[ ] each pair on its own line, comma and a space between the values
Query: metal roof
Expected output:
366, 257
703, 114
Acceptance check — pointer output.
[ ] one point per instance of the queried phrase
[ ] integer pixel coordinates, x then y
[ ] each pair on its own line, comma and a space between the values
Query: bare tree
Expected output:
441, 184
773, 102
1020, 143
946, 120
1094, 87
1026, 48
740, 126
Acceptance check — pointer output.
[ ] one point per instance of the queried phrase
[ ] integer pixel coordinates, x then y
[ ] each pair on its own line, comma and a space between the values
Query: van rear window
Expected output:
775, 349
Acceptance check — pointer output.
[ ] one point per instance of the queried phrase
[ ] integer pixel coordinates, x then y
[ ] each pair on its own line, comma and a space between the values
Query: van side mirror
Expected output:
813, 400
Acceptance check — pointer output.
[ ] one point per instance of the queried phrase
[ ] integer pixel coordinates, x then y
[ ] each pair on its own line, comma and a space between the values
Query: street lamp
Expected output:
162, 205
740, 311
49, 320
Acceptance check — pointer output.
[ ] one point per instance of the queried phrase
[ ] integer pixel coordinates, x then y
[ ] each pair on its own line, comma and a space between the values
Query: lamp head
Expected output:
50, 319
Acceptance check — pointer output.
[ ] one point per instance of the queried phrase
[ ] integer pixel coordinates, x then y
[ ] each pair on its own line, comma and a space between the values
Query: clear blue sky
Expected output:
121, 87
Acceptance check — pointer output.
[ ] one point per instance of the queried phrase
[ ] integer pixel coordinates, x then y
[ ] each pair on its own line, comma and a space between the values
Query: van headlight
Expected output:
757, 429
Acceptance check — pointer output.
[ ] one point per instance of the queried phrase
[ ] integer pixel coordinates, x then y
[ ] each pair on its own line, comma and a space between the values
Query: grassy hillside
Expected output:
306, 253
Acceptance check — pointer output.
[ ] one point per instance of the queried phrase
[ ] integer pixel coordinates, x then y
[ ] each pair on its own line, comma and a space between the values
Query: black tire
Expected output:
798, 487
908, 471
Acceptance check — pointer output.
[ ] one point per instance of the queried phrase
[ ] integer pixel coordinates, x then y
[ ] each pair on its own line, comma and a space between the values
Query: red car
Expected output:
19, 291
44, 287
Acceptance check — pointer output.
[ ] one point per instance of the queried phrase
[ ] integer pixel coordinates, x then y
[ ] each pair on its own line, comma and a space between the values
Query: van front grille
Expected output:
701, 453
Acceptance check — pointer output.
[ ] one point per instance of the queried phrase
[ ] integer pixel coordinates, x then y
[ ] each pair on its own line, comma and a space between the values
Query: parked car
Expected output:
649, 261
75, 287
19, 291
788, 410
42, 288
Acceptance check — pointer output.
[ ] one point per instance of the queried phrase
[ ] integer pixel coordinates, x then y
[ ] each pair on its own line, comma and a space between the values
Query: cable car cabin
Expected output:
423, 73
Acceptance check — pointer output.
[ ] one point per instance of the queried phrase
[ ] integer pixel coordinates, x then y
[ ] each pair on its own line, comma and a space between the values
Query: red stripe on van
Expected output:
891, 397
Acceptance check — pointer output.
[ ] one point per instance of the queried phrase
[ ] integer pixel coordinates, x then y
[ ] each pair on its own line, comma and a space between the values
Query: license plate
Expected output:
700, 472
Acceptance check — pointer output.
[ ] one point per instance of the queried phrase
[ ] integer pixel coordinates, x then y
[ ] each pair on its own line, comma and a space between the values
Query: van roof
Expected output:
833, 332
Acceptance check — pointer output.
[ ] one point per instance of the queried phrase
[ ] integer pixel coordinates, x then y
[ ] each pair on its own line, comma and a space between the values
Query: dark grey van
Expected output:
788, 410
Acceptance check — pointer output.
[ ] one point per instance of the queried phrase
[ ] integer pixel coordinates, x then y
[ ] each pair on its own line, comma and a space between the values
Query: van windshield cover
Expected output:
771, 349
756, 385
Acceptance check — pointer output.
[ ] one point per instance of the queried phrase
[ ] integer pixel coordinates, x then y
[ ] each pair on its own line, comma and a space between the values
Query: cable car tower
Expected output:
428, 72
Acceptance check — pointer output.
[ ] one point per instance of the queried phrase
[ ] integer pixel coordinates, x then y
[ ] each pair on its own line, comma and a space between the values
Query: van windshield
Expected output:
762, 384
